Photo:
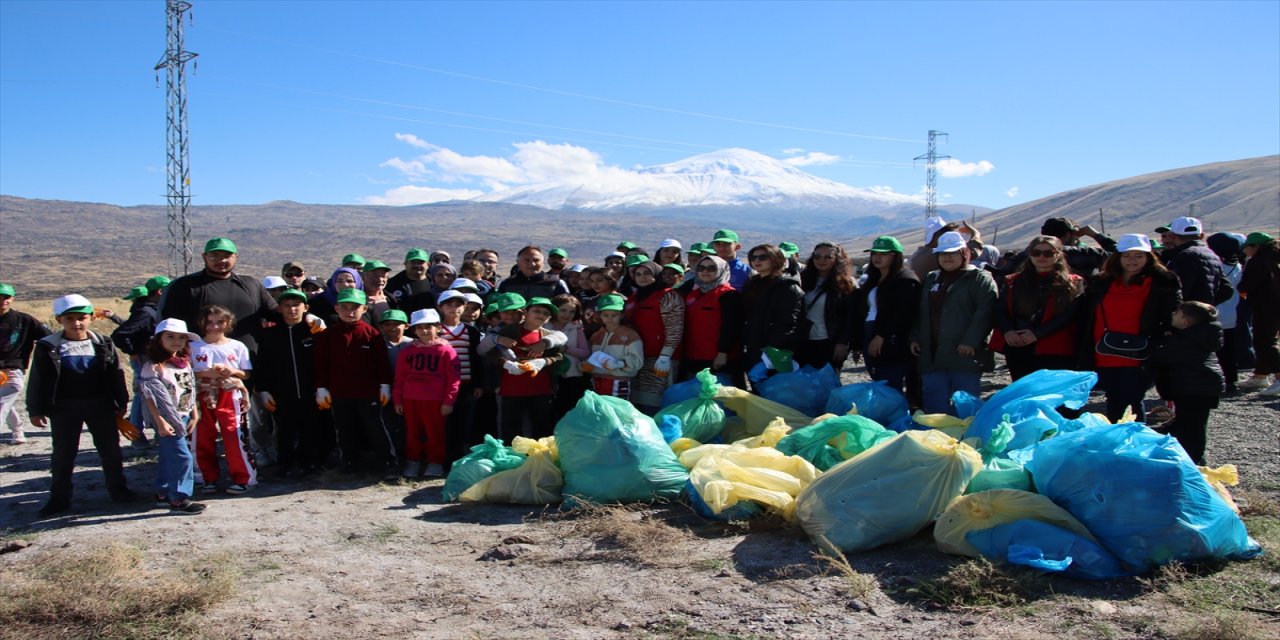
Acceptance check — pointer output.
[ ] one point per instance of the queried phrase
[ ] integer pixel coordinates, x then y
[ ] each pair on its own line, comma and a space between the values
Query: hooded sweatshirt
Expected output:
427, 371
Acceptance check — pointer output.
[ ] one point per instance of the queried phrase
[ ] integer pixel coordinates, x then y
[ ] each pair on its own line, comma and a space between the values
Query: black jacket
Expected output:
244, 296
1198, 269
771, 315
46, 367
19, 333
837, 313
1260, 281
132, 336
1157, 313
541, 284
285, 364
897, 306
1185, 364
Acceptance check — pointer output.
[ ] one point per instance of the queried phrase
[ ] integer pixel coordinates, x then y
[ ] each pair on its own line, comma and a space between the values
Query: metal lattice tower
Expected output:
931, 174
174, 63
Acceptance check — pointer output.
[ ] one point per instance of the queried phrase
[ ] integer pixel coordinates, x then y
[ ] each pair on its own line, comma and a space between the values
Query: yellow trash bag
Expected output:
888, 492
754, 414
948, 424
537, 481
1221, 478
726, 475
680, 445
777, 430
987, 509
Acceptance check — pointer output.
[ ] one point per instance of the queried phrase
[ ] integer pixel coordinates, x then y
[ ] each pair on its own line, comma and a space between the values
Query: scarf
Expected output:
641, 293
722, 274
331, 290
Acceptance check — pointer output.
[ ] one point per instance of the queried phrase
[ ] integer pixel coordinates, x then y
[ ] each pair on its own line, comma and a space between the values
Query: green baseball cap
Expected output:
638, 258
352, 295
539, 301
558, 252
135, 293
417, 254
374, 265
611, 302
156, 283
353, 258
724, 235
490, 309
292, 293
788, 248
697, 247
510, 302
885, 244
6, 289
674, 266
220, 244
393, 315
1257, 237
625, 246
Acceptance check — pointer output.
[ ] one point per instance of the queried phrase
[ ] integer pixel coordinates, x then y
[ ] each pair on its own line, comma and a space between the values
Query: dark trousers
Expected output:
1227, 358
460, 432
360, 427
69, 415
899, 375
1023, 361
1266, 324
298, 426
536, 408
568, 392
817, 353
1125, 388
1191, 425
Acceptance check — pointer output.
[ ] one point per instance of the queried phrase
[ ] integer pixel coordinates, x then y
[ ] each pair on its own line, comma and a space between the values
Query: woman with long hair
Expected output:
1135, 295
828, 285
1260, 286
885, 310
656, 312
1035, 316
771, 305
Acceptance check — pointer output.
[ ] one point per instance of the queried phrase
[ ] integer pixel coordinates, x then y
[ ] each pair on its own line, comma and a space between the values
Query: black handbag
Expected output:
1121, 345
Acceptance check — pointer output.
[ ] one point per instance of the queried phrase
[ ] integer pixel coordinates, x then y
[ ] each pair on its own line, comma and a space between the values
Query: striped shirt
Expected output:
457, 338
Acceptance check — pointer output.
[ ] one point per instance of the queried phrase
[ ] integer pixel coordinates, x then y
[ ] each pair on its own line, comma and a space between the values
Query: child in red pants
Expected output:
427, 378
220, 364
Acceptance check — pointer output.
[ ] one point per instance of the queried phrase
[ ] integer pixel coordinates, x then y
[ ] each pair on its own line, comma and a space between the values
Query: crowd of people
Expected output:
397, 375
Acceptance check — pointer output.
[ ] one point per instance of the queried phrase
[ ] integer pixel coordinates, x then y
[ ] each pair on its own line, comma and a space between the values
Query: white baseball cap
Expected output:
578, 268
931, 227
471, 297
463, 284
176, 326
1186, 226
670, 242
74, 303
424, 316
273, 282
1134, 242
949, 242
450, 295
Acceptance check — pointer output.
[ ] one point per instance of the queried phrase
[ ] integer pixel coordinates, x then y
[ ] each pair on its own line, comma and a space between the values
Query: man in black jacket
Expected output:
218, 284
1196, 265
410, 290
529, 280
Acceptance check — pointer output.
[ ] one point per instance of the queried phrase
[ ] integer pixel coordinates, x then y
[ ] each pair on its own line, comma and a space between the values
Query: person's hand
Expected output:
537, 350
1028, 336
1087, 230
512, 367
915, 348
841, 353
268, 402
876, 345
446, 409
323, 399
1013, 338
477, 393
399, 409
107, 313
720, 360
662, 366
534, 366
40, 421
165, 429
965, 350
506, 342
384, 394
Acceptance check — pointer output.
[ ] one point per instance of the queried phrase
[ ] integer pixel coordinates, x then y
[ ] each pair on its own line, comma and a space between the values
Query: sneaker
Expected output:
434, 470
18, 438
237, 489
187, 508
1159, 414
412, 470
162, 502
1273, 390
209, 489
1253, 383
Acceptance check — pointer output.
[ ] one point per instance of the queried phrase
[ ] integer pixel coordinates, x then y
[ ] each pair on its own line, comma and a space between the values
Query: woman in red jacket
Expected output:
1036, 314
712, 320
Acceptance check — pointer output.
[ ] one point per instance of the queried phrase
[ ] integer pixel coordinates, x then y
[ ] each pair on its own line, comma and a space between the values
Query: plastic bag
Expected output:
1140, 495
805, 390
1000, 473
670, 427
701, 417
485, 459
1221, 478
921, 421
875, 400
537, 481
1047, 547
725, 475
834, 440
770, 437
753, 414
1053, 387
984, 510
966, 404
887, 493
610, 452
689, 389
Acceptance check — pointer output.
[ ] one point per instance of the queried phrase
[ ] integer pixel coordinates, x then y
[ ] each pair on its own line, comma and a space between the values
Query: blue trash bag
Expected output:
905, 423
875, 400
834, 440
1140, 496
744, 510
701, 417
805, 390
671, 427
485, 459
1053, 387
966, 404
1032, 420
688, 390
1024, 454
1047, 547
610, 452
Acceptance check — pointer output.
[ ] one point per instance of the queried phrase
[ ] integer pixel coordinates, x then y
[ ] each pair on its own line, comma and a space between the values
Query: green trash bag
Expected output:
702, 417
834, 440
887, 493
485, 459
610, 452
1000, 473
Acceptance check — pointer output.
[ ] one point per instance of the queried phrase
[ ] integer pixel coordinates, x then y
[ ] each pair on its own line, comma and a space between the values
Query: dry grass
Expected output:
621, 533
1256, 503
109, 593
979, 584
857, 585
1222, 626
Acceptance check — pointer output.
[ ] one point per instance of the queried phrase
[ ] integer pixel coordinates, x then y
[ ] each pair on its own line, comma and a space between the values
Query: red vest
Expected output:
702, 322
646, 319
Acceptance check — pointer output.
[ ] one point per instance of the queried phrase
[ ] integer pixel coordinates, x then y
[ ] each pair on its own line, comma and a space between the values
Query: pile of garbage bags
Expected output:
1009, 478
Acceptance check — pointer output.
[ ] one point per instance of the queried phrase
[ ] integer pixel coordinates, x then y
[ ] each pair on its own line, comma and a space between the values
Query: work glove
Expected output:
513, 368
534, 366
267, 402
323, 399
662, 366
384, 394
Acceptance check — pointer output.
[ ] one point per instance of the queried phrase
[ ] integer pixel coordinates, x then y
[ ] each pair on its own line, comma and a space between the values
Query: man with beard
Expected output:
218, 284
410, 290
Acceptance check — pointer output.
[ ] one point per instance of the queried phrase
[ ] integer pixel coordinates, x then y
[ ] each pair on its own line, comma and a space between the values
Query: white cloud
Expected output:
952, 168
411, 194
812, 158
1012, 192
415, 141
792, 151
410, 168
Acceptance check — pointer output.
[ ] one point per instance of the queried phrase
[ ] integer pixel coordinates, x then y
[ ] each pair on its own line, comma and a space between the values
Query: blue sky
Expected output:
350, 102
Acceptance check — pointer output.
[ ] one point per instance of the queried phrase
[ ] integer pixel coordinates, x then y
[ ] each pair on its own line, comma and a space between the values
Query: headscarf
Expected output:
431, 275
641, 293
722, 274
330, 293
434, 254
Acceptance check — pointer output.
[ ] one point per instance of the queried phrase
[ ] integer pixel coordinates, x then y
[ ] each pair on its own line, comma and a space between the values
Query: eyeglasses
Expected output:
1042, 253
824, 256
759, 257
293, 274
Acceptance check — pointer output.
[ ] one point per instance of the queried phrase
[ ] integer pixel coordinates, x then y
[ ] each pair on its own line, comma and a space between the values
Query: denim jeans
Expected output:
939, 385
175, 474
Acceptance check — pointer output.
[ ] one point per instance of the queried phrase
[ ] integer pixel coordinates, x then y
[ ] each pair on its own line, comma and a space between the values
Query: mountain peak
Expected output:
733, 162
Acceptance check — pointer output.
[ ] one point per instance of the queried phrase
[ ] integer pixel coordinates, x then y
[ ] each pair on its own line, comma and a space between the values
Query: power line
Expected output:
931, 175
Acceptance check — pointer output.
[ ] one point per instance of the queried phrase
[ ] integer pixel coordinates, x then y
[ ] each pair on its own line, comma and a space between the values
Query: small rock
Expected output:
622, 626
506, 552
14, 545
519, 538
968, 623
856, 605
1104, 608
722, 574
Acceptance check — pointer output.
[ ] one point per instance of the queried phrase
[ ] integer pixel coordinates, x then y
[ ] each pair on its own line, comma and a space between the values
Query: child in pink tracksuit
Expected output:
427, 378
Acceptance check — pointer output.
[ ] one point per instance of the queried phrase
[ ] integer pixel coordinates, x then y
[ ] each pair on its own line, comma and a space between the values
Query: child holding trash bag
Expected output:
617, 353
1185, 366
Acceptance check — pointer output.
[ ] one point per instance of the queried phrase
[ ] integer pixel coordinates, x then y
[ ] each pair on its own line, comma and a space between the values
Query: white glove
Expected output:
323, 399
384, 394
513, 368
536, 365
662, 366
267, 402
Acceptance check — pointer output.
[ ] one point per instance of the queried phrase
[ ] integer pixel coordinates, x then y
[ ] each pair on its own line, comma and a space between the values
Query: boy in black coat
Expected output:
1186, 371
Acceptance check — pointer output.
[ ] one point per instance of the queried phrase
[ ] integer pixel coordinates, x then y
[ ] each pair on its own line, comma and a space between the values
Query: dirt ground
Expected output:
351, 557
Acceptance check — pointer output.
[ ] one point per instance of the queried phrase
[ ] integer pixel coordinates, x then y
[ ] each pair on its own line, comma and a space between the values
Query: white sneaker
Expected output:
434, 470
18, 438
412, 470
1254, 383
1273, 390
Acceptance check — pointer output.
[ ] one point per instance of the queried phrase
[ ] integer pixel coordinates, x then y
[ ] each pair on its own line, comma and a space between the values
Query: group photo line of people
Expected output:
398, 374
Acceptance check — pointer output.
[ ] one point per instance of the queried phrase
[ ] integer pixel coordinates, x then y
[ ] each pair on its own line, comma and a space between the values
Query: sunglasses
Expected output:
1042, 253
710, 268
293, 274
758, 257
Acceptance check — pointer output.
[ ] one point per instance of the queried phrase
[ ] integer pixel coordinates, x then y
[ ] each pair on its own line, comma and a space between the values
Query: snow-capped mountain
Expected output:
728, 177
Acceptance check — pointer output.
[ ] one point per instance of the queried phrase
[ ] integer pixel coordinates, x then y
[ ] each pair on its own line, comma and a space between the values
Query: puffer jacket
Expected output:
771, 314
1198, 269
1185, 364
